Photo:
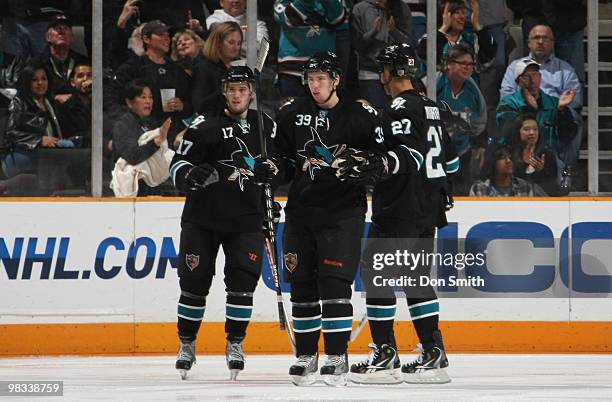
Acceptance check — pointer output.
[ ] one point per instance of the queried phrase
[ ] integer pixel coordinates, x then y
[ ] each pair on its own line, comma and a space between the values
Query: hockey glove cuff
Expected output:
363, 167
201, 176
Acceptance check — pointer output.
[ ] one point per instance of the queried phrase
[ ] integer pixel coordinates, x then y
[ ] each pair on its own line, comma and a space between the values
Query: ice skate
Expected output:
381, 367
428, 368
234, 356
334, 370
303, 371
186, 358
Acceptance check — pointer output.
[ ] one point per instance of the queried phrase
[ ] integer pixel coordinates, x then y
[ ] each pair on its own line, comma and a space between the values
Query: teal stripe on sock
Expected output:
191, 312
304, 325
375, 312
418, 311
337, 324
238, 312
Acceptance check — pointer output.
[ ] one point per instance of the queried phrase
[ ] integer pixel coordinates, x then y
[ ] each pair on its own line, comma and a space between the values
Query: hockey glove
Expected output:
264, 171
362, 167
449, 201
201, 176
270, 230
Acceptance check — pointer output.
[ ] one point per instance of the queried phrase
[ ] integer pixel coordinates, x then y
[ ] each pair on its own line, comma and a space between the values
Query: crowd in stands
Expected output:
512, 105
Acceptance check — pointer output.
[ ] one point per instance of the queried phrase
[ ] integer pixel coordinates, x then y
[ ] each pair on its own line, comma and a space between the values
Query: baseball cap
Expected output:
59, 19
522, 65
155, 26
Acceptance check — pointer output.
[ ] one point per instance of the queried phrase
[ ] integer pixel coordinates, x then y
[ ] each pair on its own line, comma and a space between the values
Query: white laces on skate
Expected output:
187, 351
374, 352
235, 352
304, 360
419, 349
334, 360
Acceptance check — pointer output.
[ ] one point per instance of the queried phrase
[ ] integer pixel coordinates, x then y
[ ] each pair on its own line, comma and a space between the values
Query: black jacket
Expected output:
58, 73
167, 75
126, 132
75, 117
27, 124
207, 86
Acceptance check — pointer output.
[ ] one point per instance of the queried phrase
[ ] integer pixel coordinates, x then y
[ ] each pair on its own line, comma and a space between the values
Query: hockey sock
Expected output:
337, 314
240, 285
425, 318
191, 306
238, 309
381, 315
306, 311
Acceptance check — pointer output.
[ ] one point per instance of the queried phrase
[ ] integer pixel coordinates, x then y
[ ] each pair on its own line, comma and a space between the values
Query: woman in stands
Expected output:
221, 49
135, 122
187, 50
532, 160
32, 123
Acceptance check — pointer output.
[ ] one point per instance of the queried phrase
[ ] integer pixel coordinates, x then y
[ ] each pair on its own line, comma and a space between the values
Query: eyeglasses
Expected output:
542, 38
464, 63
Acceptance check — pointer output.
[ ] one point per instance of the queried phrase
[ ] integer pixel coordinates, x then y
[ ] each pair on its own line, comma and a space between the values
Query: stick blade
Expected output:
264, 48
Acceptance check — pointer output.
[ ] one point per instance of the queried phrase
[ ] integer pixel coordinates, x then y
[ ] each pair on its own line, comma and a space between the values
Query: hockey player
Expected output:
324, 217
216, 165
409, 202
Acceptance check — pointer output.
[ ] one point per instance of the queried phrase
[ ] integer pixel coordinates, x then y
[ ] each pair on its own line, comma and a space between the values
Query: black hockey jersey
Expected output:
424, 156
235, 202
310, 138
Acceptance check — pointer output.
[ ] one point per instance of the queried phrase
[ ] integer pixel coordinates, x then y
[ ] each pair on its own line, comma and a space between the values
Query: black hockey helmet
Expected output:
322, 61
238, 74
401, 60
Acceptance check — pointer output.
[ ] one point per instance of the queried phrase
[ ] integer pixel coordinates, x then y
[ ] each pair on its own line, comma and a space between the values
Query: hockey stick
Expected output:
270, 241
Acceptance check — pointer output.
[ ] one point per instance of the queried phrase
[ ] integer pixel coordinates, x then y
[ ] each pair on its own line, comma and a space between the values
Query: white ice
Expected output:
474, 378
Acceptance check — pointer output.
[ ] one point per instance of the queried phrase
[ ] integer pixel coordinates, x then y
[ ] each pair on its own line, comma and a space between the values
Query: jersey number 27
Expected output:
434, 166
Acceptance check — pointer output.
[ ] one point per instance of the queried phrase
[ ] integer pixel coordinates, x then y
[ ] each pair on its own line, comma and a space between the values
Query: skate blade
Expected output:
434, 376
393, 376
183, 373
303, 380
339, 380
234, 374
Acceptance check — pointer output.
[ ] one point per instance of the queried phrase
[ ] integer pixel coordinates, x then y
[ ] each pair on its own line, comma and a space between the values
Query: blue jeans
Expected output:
18, 162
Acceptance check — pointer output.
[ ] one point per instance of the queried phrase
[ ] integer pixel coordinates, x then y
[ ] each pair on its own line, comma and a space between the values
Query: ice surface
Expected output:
153, 378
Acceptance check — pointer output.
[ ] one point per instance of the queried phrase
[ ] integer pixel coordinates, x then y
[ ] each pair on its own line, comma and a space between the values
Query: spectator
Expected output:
75, 113
133, 124
24, 31
235, 11
532, 160
456, 88
180, 14
557, 78
32, 123
555, 121
567, 19
221, 49
307, 27
452, 31
160, 72
418, 19
58, 59
126, 39
187, 50
376, 24
499, 178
